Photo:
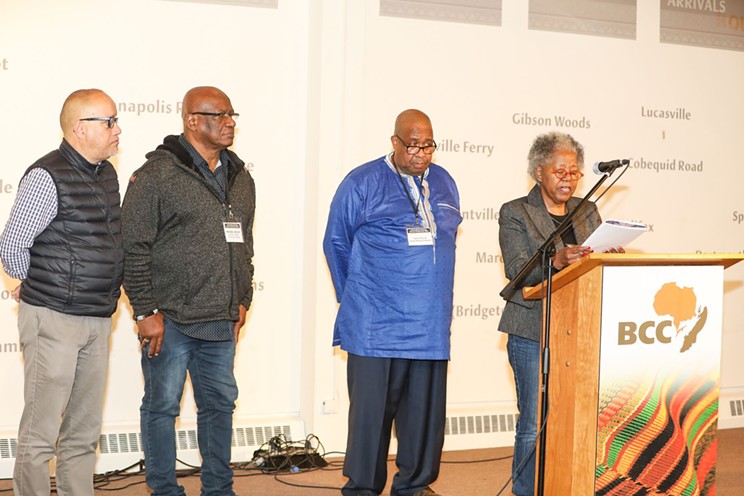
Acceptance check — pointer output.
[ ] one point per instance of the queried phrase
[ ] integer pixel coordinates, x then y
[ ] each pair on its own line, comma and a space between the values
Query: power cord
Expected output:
279, 454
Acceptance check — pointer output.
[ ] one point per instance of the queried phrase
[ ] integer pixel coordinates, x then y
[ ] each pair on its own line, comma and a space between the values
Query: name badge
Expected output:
233, 232
419, 236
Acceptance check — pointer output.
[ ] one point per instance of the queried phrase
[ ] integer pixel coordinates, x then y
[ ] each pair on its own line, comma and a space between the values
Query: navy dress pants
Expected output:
411, 393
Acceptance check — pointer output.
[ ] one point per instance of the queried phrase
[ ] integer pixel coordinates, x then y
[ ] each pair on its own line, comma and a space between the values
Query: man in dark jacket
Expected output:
187, 222
63, 240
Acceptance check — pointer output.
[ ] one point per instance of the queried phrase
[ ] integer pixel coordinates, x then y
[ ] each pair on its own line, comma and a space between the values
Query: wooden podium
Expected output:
627, 408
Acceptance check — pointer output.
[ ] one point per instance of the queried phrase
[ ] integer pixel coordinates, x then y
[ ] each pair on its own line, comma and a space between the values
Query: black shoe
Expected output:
363, 493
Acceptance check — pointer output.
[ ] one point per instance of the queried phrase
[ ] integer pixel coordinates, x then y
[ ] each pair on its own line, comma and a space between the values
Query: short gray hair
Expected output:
545, 146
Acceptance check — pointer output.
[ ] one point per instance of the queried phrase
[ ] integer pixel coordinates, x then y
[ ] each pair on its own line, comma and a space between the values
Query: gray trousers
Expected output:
65, 365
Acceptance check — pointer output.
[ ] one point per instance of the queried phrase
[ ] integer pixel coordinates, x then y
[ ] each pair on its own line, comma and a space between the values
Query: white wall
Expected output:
318, 84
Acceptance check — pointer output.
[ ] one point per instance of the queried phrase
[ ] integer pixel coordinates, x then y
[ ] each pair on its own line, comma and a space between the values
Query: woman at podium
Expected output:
555, 161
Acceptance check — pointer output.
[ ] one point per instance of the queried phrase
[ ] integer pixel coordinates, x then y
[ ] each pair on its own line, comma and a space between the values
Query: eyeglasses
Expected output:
110, 121
414, 149
574, 174
220, 115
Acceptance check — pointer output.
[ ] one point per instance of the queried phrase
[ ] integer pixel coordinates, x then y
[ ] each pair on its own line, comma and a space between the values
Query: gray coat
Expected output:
176, 257
524, 225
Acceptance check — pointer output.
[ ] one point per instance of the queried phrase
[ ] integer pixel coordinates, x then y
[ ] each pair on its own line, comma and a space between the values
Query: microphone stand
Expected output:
544, 253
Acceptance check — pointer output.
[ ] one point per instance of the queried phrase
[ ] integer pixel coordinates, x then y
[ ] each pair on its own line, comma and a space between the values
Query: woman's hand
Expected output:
570, 254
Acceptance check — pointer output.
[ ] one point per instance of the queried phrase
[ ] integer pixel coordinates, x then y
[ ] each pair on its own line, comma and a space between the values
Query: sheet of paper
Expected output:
614, 233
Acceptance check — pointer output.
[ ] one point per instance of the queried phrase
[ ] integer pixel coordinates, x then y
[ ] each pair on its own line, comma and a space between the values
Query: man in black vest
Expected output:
63, 241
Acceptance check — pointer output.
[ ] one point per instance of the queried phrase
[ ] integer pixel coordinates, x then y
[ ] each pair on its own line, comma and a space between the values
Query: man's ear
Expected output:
78, 128
191, 121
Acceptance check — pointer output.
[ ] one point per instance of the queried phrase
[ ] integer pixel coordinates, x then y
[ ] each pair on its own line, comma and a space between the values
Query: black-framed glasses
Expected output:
574, 174
110, 121
220, 115
414, 149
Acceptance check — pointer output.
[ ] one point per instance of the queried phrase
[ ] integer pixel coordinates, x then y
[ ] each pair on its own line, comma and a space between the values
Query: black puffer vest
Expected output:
77, 261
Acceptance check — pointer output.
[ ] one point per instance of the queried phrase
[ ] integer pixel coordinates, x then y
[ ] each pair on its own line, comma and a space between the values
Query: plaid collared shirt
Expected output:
34, 209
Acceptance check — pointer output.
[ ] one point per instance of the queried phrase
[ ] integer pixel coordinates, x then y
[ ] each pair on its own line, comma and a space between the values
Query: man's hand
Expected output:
16, 293
240, 322
152, 331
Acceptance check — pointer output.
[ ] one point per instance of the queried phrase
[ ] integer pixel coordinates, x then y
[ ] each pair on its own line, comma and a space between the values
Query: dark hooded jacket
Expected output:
176, 257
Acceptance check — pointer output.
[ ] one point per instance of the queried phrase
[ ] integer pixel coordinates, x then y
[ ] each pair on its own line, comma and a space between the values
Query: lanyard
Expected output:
414, 206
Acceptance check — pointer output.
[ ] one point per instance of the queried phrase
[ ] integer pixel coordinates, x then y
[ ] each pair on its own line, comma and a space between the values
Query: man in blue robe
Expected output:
390, 247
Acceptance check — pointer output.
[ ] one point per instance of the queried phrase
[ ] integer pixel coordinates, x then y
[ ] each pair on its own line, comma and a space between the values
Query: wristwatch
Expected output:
144, 316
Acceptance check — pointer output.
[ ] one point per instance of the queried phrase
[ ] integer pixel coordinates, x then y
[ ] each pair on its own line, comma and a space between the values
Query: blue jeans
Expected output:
210, 366
524, 358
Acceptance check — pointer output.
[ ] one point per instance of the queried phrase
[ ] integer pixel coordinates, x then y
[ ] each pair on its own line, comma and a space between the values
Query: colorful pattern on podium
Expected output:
659, 382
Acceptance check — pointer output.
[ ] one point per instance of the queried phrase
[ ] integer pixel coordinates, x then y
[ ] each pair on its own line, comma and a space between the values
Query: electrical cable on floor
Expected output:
484, 460
282, 456
521, 465
276, 456
279, 457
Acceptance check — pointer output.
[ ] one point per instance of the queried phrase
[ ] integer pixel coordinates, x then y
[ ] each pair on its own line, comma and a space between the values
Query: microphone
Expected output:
609, 167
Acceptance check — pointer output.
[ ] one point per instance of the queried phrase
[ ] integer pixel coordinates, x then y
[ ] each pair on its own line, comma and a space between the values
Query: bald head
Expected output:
81, 104
413, 132
196, 99
208, 121
88, 121
409, 119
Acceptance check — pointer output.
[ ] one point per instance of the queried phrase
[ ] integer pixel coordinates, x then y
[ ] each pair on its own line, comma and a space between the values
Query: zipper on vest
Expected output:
71, 288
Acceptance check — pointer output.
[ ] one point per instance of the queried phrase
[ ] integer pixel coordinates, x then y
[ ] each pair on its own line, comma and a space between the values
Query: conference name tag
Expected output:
419, 236
233, 232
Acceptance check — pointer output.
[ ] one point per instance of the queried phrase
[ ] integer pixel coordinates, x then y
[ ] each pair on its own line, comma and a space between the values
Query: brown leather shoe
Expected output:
427, 491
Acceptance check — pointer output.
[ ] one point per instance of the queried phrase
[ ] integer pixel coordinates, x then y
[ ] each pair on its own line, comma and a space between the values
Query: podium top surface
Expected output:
629, 260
